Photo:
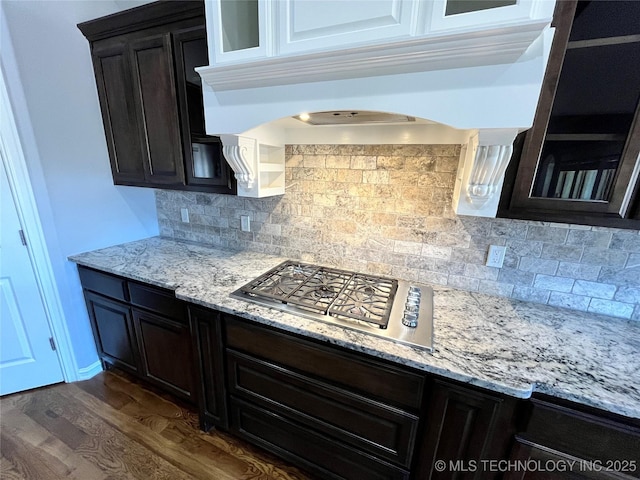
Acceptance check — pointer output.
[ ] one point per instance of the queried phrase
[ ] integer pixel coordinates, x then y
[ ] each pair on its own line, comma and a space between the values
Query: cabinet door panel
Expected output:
464, 425
155, 95
118, 113
165, 350
207, 329
205, 164
313, 25
113, 331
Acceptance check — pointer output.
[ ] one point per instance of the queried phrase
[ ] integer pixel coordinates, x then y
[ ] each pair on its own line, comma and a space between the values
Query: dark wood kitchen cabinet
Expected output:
151, 99
141, 329
566, 441
207, 330
338, 414
579, 162
465, 427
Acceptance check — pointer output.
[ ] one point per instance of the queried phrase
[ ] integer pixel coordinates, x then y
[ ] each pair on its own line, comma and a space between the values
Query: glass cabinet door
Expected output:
204, 160
581, 155
239, 24
238, 30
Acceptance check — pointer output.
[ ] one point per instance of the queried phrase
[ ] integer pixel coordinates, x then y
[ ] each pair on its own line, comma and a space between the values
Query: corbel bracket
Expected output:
241, 153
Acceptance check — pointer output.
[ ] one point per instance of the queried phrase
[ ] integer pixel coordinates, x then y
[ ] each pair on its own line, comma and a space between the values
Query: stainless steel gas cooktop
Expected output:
379, 306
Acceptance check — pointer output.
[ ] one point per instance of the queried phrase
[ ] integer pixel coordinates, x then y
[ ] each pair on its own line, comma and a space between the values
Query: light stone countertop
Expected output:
501, 344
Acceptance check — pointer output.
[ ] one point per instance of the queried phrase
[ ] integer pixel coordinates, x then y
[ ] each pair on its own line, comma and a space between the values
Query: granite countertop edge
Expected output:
515, 361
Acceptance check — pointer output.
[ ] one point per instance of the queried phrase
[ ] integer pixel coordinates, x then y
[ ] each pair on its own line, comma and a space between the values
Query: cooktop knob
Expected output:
410, 319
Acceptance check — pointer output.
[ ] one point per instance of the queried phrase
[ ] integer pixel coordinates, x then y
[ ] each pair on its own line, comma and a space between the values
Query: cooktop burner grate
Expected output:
366, 298
329, 291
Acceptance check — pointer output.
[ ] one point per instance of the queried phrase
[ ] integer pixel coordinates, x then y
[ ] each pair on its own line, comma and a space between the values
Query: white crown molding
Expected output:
468, 49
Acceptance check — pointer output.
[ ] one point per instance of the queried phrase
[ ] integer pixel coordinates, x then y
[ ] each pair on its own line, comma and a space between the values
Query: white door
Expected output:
27, 358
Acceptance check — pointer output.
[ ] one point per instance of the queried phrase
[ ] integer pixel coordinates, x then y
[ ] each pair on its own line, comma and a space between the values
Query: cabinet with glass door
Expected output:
579, 162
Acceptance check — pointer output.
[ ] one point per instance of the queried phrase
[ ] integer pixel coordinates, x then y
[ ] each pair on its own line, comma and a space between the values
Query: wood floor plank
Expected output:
27, 462
174, 453
59, 426
113, 428
8, 471
16, 424
243, 462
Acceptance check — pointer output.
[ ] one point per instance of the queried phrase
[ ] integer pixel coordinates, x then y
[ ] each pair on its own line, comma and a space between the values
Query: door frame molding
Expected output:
13, 159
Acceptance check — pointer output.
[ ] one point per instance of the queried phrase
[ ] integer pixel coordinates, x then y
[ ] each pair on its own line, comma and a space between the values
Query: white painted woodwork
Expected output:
259, 168
479, 71
15, 166
217, 28
523, 11
483, 162
305, 26
26, 357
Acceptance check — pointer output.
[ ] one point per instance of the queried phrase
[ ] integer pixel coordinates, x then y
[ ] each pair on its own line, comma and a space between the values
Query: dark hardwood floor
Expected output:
111, 427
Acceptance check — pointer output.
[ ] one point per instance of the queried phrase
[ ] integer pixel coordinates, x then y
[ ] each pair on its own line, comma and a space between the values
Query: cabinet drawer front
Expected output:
581, 434
160, 301
386, 432
321, 455
373, 379
103, 283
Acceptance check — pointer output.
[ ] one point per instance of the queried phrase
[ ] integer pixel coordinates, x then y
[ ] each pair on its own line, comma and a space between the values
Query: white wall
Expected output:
50, 78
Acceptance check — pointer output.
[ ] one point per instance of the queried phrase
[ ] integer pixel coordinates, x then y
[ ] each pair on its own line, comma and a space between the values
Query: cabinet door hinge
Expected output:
23, 239
52, 343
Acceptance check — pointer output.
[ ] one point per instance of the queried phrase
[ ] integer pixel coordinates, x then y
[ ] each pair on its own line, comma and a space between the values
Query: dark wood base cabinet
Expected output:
342, 414
563, 441
206, 327
141, 329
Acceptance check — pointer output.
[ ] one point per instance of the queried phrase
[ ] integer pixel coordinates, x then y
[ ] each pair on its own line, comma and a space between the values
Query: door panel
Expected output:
118, 113
165, 350
155, 95
113, 331
27, 359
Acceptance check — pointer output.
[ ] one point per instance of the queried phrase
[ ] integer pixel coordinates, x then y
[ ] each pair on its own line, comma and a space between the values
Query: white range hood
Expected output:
472, 79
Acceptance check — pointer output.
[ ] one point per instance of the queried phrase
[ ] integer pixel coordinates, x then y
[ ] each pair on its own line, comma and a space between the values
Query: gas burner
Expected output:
365, 293
324, 291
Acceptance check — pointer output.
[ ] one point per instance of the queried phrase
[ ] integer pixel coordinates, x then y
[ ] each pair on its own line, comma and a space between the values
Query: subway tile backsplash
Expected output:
386, 209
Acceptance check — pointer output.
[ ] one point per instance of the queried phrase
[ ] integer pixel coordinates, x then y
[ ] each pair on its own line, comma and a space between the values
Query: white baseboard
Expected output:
89, 372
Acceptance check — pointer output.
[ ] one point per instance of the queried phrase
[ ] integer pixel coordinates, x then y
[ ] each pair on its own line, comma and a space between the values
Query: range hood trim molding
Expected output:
493, 47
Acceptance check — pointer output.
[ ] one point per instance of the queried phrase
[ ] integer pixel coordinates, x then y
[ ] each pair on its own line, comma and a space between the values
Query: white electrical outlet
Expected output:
495, 257
184, 215
245, 223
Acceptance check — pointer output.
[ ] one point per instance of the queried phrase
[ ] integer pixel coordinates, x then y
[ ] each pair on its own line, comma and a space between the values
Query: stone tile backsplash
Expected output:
386, 209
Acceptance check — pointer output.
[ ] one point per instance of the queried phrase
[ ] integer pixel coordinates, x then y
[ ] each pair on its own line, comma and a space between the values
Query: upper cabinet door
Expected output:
238, 29
204, 161
155, 97
461, 15
307, 25
580, 160
113, 80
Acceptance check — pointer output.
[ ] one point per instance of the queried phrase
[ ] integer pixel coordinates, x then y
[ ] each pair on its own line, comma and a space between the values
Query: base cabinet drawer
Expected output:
373, 379
317, 453
386, 432
530, 461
